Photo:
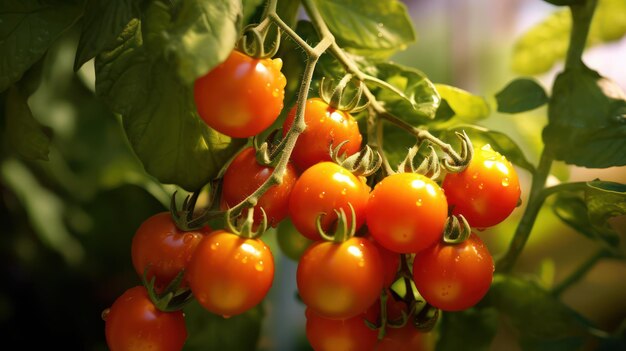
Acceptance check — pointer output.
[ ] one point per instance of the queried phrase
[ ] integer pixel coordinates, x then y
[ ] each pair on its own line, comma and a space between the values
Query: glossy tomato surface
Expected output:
454, 277
339, 335
229, 275
340, 280
486, 192
163, 249
134, 323
245, 175
242, 96
325, 126
322, 189
406, 212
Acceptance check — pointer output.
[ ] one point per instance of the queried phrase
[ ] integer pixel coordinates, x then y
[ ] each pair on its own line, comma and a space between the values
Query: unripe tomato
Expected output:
454, 277
245, 175
325, 126
228, 274
339, 335
486, 192
242, 96
291, 243
406, 212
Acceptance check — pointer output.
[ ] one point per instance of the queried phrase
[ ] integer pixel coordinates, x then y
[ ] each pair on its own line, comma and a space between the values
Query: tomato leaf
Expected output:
102, 23
587, 120
467, 107
377, 28
27, 29
605, 200
23, 133
521, 95
546, 43
159, 113
456, 335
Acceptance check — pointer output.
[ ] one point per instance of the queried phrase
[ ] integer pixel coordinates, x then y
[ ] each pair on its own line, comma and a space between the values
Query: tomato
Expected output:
390, 260
406, 338
134, 323
324, 126
339, 335
228, 274
486, 192
324, 188
454, 277
291, 243
245, 175
242, 96
162, 248
406, 212
340, 280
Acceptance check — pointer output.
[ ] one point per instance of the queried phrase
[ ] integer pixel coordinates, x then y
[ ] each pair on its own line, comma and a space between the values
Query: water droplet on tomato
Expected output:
475, 175
505, 182
244, 259
418, 203
361, 263
344, 191
259, 266
322, 194
214, 246
275, 93
481, 186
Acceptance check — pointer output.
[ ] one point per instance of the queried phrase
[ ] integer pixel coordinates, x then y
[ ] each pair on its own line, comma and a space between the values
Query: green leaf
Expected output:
605, 200
458, 335
102, 23
564, 2
208, 331
546, 43
23, 133
587, 120
159, 114
444, 112
27, 29
466, 106
252, 9
377, 28
521, 95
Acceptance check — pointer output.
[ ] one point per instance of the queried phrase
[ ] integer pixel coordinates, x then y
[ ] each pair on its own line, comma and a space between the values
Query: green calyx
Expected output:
363, 163
343, 230
335, 95
245, 227
252, 41
172, 298
457, 230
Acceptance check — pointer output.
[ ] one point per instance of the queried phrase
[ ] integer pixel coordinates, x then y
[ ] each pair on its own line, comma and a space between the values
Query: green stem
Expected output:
579, 272
535, 201
581, 21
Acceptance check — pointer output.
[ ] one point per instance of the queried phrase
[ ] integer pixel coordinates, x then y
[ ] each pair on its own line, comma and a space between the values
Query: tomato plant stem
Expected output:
581, 21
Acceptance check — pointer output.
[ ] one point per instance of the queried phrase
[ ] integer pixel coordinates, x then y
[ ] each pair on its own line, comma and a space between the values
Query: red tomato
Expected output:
407, 338
406, 212
340, 280
134, 323
324, 188
228, 274
242, 96
454, 277
391, 261
324, 126
245, 175
339, 335
164, 249
486, 192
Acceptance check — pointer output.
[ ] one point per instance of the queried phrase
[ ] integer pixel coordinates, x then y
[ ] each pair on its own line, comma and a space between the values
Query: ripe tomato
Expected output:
339, 335
324, 126
390, 260
134, 323
340, 280
486, 192
291, 243
454, 277
242, 96
244, 175
406, 212
228, 274
324, 188
162, 248
407, 338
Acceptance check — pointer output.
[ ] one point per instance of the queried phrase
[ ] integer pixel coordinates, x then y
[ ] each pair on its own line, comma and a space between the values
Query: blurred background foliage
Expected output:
68, 220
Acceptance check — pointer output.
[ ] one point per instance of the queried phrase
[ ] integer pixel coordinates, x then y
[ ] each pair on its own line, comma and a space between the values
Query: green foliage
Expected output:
467, 107
22, 132
458, 335
521, 95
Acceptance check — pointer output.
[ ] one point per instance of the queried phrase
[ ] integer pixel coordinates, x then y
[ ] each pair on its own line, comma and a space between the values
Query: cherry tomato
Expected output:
324, 126
291, 243
390, 259
340, 280
245, 175
228, 274
406, 212
324, 188
242, 96
339, 335
406, 338
486, 192
163, 249
134, 323
454, 277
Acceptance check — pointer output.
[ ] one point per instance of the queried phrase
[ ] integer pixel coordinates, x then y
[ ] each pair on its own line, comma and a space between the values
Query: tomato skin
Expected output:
454, 277
228, 274
406, 212
324, 126
390, 260
245, 175
340, 280
164, 249
339, 335
486, 192
407, 338
324, 188
291, 243
134, 323
242, 96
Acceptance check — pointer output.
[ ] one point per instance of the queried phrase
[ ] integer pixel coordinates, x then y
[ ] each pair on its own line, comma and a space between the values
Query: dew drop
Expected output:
322, 194
418, 203
275, 93
481, 186
344, 191
505, 182
244, 259
267, 85
361, 263
475, 175
380, 35
259, 266
214, 246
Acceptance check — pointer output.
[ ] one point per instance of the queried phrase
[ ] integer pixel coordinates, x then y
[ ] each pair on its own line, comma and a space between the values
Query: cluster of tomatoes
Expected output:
357, 234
